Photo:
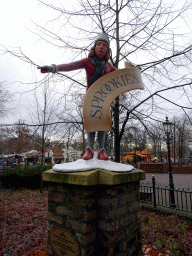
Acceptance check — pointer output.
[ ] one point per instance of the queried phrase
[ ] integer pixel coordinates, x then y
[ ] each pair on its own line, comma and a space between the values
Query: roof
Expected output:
143, 153
56, 152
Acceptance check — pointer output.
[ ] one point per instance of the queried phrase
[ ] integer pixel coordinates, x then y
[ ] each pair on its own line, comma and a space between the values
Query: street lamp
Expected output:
167, 129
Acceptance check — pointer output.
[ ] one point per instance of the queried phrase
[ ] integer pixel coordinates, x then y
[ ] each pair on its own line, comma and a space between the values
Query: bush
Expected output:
22, 177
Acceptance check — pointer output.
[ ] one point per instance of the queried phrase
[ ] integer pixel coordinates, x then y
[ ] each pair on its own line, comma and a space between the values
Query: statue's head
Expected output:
101, 47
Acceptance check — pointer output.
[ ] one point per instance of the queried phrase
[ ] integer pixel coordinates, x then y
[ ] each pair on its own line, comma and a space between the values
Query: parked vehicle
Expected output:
12, 160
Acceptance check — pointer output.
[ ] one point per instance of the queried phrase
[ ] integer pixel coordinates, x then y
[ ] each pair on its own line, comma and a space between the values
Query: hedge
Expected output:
22, 177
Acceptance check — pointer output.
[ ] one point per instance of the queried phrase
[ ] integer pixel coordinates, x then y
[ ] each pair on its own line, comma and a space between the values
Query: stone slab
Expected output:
94, 177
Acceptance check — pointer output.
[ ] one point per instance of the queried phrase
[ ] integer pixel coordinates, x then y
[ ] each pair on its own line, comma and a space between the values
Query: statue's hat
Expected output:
102, 37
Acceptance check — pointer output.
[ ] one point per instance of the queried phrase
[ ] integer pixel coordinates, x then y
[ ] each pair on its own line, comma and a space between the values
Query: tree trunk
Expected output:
42, 158
116, 131
116, 111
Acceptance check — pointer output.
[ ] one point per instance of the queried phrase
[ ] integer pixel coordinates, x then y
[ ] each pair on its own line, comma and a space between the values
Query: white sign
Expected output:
98, 99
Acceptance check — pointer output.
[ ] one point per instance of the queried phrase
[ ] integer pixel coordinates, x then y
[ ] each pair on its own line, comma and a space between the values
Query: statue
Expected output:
96, 66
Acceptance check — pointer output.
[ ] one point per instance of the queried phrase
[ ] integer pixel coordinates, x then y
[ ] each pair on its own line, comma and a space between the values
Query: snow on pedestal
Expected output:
85, 165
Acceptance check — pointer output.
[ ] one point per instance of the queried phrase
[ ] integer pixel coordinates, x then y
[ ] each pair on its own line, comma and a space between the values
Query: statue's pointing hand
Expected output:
46, 69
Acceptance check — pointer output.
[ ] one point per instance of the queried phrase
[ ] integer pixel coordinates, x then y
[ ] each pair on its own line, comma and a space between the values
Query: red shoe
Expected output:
102, 155
88, 154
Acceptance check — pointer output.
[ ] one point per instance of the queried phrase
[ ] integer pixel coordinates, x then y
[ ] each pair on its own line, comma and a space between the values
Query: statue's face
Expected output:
101, 49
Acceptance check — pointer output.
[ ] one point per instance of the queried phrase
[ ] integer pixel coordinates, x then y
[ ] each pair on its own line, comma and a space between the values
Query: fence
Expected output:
159, 195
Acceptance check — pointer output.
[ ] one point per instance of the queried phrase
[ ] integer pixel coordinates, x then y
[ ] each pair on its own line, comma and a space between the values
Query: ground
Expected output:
170, 234
23, 216
180, 180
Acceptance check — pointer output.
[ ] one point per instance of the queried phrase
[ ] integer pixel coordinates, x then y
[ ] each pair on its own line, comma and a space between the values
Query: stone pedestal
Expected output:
94, 213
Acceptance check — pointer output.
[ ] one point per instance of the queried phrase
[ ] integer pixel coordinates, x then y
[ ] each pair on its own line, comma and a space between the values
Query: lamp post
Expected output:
167, 129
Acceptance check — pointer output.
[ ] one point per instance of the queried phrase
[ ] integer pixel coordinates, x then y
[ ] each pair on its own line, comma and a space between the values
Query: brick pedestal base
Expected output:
100, 209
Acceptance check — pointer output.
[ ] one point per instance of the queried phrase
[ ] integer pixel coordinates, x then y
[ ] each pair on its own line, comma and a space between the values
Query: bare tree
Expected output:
156, 139
183, 136
5, 97
136, 29
143, 32
44, 114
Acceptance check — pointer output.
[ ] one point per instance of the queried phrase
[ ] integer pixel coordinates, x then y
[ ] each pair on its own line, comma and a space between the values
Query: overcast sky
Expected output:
16, 19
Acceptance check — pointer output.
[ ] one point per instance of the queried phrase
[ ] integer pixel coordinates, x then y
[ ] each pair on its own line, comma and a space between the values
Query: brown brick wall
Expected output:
161, 168
73, 208
180, 169
152, 168
119, 231
104, 219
